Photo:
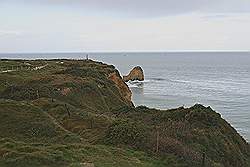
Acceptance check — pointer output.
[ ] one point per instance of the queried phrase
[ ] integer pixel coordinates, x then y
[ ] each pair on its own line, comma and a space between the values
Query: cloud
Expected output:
216, 16
97, 25
147, 8
9, 33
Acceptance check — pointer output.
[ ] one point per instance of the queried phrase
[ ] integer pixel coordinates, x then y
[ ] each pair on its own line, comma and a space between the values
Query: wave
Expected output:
157, 79
135, 84
153, 81
132, 85
140, 84
167, 80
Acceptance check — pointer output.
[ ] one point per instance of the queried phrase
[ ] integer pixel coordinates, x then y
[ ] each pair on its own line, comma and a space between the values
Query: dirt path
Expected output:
20, 69
56, 123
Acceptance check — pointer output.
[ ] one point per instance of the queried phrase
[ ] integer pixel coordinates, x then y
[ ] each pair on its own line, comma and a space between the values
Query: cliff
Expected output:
122, 87
135, 74
74, 112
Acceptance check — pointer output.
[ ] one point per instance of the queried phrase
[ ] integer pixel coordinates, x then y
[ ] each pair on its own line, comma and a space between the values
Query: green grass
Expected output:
24, 122
184, 132
22, 154
70, 113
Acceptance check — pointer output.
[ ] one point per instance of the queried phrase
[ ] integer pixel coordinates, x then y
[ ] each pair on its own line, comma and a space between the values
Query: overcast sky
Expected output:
123, 25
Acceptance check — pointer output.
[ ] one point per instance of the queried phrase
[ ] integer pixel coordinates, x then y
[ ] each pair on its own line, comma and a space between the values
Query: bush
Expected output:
124, 132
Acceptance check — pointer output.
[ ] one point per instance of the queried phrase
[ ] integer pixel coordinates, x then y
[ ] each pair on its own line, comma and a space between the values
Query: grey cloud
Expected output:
215, 16
149, 7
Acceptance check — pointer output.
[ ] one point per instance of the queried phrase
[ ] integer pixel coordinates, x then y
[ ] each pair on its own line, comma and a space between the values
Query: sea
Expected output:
173, 79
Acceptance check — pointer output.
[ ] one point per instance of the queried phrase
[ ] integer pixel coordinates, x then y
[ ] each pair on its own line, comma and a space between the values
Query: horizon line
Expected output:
130, 51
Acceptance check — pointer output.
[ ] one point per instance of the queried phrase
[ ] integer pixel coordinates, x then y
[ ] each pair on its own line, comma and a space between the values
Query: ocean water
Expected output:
217, 79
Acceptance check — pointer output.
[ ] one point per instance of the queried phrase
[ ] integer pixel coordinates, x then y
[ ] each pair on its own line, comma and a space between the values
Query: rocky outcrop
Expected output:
135, 74
122, 86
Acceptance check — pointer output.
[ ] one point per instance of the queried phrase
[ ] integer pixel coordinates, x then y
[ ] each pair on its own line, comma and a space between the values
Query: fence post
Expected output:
91, 123
157, 139
67, 109
37, 94
203, 159
11, 91
29, 93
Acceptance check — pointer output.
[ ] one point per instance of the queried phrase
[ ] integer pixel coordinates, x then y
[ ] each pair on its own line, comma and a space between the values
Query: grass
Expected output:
24, 122
22, 154
185, 132
70, 113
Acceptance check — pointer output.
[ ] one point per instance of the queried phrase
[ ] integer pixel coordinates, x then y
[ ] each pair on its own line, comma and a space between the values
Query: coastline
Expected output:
86, 102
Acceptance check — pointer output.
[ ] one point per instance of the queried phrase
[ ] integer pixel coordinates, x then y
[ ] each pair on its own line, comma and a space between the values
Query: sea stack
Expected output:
135, 74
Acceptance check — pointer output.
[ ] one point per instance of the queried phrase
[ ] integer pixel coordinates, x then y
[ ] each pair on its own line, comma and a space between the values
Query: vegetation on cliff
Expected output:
71, 112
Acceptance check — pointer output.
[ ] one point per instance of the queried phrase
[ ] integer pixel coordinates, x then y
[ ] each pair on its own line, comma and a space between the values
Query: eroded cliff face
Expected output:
135, 74
122, 87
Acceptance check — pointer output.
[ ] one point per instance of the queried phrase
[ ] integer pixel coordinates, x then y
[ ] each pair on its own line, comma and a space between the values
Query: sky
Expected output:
124, 25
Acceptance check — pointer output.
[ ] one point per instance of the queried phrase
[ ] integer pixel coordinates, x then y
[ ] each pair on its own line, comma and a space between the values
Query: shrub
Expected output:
124, 132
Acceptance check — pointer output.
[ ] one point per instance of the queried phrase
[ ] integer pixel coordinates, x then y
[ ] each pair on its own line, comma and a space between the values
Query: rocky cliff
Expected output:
135, 74
122, 86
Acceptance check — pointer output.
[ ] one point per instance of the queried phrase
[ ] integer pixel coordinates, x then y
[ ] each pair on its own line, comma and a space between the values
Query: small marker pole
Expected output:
37, 94
157, 139
203, 159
